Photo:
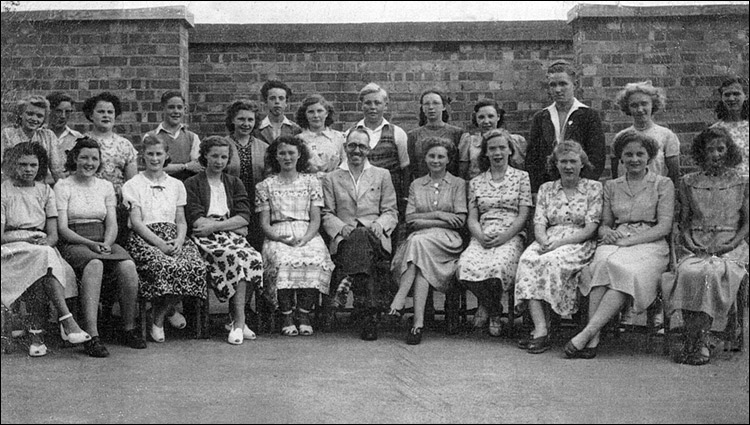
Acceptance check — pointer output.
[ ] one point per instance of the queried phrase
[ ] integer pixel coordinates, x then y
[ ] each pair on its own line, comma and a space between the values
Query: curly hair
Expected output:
15, 153
446, 103
563, 148
698, 149
488, 102
484, 161
274, 84
90, 104
212, 142
303, 162
658, 98
236, 107
33, 100
722, 113
85, 142
632, 136
309, 101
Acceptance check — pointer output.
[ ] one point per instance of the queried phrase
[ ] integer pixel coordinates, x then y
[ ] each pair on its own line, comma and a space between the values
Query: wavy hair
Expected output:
90, 104
698, 148
85, 142
658, 98
301, 115
15, 153
563, 148
722, 113
236, 107
443, 98
303, 162
213, 142
632, 136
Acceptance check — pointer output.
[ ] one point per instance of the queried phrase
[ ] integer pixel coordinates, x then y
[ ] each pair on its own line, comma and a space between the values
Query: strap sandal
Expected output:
75, 337
157, 333
247, 333
305, 329
289, 329
496, 326
35, 349
539, 345
235, 336
414, 337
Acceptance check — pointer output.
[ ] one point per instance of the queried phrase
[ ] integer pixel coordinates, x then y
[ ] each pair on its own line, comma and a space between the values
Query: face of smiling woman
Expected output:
32, 117
87, 162
154, 156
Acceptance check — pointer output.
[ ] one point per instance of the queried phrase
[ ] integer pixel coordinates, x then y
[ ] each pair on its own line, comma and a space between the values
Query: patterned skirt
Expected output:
230, 259
288, 267
183, 274
498, 264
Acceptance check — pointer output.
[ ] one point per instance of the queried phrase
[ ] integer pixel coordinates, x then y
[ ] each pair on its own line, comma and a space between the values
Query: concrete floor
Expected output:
337, 378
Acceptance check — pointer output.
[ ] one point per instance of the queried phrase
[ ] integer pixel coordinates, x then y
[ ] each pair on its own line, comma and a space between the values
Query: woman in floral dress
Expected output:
326, 145
499, 204
295, 258
567, 216
218, 214
169, 266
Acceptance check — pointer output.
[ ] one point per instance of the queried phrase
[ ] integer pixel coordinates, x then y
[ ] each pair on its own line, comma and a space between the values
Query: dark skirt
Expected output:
182, 275
79, 255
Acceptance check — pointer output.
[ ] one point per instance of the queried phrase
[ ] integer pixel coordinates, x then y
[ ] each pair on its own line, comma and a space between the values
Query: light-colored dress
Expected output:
288, 267
470, 147
553, 276
117, 153
182, 274
634, 270
25, 211
709, 283
498, 205
434, 250
326, 150
669, 146
740, 132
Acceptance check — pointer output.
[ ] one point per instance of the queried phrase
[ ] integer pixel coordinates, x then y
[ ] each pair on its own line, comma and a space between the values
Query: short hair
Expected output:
211, 142
57, 98
22, 149
446, 102
357, 130
439, 142
370, 89
658, 98
312, 100
632, 136
236, 107
169, 95
82, 143
33, 100
563, 148
721, 110
303, 162
481, 103
90, 104
274, 84
698, 149
151, 140
484, 162
562, 65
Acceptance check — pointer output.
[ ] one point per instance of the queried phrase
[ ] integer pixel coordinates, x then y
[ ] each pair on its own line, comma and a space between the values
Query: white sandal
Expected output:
75, 337
34, 349
235, 336
290, 330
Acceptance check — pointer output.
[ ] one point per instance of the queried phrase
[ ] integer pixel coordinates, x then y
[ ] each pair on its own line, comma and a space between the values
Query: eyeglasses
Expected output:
355, 146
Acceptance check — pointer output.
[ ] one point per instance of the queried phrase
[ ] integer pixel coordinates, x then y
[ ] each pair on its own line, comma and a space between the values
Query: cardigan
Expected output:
199, 197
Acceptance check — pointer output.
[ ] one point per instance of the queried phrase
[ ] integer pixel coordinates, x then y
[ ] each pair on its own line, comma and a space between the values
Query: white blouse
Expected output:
158, 200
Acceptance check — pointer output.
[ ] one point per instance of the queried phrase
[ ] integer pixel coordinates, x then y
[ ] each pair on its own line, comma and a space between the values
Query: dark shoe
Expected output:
539, 345
369, 331
523, 343
699, 357
95, 348
414, 337
452, 326
132, 339
572, 352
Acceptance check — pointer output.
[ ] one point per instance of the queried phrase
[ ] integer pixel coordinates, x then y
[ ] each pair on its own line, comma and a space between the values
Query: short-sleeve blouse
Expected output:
500, 200
449, 195
85, 203
158, 200
288, 201
117, 153
27, 207
667, 141
554, 208
326, 149
647, 206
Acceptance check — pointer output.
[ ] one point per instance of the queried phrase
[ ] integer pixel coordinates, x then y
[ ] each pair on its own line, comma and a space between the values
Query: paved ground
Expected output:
338, 378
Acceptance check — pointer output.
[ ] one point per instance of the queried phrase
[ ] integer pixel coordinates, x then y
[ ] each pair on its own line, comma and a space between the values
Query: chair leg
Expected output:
144, 319
511, 314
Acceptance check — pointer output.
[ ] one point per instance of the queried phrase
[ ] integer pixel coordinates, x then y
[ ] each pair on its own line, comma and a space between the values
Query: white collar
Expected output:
378, 128
555, 117
161, 128
70, 131
266, 122
345, 165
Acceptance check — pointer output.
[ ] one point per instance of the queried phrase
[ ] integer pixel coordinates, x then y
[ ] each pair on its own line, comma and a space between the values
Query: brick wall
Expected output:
138, 54
685, 50
135, 54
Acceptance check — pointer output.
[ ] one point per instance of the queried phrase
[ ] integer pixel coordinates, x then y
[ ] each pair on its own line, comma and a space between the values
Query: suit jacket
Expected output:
199, 197
266, 133
584, 126
376, 202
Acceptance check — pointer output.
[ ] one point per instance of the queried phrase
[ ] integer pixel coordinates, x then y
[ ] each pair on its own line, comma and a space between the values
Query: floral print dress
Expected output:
498, 205
553, 276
